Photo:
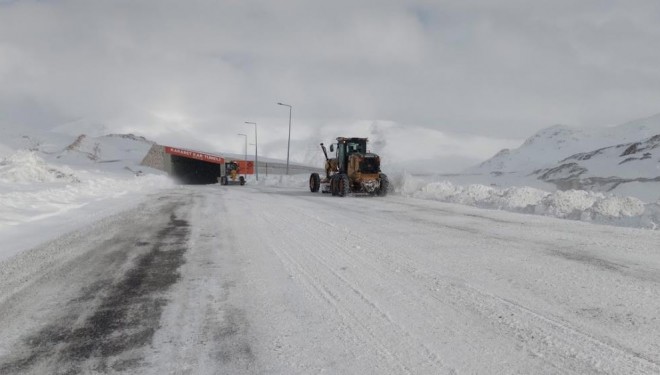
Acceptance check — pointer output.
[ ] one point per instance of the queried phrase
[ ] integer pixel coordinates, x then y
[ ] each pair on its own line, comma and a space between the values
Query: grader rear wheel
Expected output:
384, 185
343, 185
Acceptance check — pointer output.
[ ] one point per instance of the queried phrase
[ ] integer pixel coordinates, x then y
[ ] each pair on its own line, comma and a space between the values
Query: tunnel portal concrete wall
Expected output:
158, 159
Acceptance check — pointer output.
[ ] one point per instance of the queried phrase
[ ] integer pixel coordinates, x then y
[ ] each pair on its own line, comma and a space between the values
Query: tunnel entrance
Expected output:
194, 172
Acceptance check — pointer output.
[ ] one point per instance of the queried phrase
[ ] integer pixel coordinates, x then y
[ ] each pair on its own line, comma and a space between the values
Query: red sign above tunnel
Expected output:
194, 155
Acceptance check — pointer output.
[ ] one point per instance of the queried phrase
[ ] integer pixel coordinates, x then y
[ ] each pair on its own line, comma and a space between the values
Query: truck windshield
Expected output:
355, 147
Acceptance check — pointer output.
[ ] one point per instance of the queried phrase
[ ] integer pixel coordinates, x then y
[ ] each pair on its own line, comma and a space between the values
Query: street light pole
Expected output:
256, 153
245, 172
288, 143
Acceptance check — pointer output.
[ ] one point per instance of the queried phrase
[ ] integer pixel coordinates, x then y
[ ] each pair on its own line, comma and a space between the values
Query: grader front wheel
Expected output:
314, 182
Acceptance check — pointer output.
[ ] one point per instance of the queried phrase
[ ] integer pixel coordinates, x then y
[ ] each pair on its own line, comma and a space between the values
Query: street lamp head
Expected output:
288, 105
250, 122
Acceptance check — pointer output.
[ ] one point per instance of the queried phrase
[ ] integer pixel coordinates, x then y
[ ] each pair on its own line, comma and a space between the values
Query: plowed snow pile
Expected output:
572, 204
26, 167
38, 196
32, 189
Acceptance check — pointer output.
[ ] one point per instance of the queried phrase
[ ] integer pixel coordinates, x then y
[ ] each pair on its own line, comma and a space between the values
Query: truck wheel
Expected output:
384, 185
343, 185
314, 182
241, 180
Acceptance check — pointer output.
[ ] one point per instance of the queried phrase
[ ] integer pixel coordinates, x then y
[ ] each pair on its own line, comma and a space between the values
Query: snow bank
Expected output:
572, 204
40, 200
17, 207
32, 189
26, 167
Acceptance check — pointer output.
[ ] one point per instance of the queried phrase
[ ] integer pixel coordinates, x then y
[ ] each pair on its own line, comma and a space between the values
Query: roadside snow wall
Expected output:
571, 204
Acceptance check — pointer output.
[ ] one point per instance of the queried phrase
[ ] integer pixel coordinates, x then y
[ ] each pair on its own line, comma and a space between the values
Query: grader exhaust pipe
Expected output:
325, 152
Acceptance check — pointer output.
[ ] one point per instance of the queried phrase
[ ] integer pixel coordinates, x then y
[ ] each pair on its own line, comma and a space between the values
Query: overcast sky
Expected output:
463, 77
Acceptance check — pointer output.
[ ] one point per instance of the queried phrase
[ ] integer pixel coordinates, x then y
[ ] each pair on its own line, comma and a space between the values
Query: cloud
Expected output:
473, 69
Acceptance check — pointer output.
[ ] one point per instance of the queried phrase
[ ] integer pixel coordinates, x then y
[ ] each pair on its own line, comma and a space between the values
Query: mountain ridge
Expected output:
610, 159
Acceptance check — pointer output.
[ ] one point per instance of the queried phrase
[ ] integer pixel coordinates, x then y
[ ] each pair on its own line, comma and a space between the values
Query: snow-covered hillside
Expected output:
606, 169
624, 160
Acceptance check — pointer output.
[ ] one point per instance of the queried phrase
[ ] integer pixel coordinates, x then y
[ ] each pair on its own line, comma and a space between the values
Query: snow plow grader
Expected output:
229, 174
354, 170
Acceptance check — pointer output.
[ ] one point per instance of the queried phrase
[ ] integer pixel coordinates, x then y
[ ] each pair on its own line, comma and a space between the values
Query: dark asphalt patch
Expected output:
229, 334
589, 259
630, 270
126, 318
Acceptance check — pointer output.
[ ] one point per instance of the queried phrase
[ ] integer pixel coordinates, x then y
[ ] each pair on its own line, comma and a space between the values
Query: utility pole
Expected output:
288, 143
245, 171
256, 153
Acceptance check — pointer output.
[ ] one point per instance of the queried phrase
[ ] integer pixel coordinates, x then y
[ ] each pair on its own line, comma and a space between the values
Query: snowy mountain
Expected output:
608, 167
544, 147
624, 160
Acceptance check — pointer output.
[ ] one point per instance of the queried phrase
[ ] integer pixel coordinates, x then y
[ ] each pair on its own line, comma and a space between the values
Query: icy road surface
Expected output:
245, 280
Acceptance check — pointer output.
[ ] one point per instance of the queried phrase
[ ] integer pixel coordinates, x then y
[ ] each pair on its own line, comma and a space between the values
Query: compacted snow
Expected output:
109, 267
265, 279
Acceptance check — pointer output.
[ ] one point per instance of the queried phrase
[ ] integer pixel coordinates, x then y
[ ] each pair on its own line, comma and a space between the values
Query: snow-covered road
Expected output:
207, 280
